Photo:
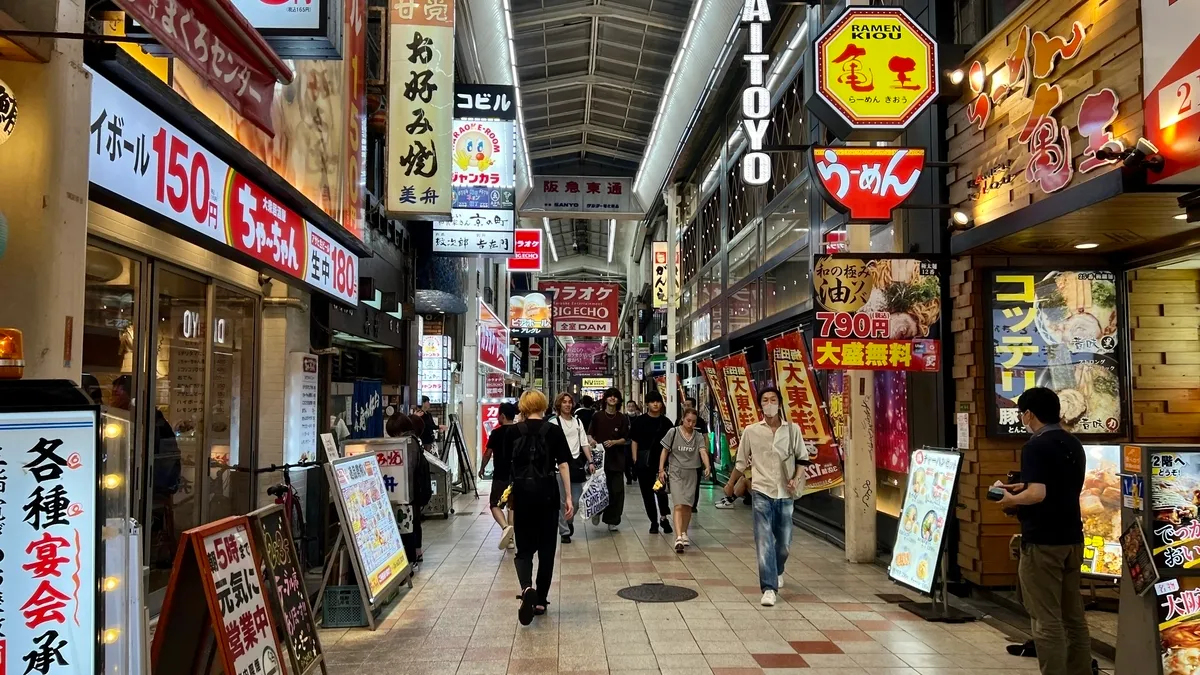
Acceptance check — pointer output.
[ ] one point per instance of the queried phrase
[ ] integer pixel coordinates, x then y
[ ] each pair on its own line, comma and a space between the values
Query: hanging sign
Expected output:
661, 295
485, 101
790, 366
580, 194
493, 339
584, 309
743, 401
49, 534
867, 183
289, 597
1171, 87
527, 256
716, 387
529, 316
475, 232
876, 70
420, 108
756, 98
493, 385
587, 358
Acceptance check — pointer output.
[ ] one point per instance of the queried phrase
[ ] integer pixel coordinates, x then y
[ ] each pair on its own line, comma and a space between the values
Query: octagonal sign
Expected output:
877, 70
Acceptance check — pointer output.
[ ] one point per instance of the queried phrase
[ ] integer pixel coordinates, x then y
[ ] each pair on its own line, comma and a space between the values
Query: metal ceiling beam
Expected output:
591, 128
619, 62
578, 148
563, 81
539, 17
592, 49
622, 45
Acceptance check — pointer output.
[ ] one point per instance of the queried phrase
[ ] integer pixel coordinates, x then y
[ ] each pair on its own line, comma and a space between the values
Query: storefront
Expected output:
201, 267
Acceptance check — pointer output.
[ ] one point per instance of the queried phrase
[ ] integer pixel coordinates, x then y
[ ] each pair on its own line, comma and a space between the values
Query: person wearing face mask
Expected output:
1047, 504
775, 449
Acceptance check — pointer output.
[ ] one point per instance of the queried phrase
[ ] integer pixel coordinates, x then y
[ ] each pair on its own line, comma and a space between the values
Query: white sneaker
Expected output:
768, 598
506, 539
686, 541
612, 528
724, 503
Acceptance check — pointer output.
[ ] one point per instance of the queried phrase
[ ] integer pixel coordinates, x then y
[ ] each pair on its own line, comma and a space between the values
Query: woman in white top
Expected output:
581, 459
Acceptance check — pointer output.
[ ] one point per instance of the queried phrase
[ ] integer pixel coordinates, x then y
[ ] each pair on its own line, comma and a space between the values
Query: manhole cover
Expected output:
657, 593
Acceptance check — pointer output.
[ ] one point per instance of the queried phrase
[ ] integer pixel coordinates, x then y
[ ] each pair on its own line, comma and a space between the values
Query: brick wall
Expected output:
1164, 321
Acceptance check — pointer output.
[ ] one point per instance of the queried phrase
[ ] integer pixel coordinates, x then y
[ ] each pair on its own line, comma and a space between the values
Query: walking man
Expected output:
775, 449
610, 428
647, 432
1047, 504
498, 452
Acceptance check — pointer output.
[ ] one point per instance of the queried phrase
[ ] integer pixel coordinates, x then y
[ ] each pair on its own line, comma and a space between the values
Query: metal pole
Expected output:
672, 296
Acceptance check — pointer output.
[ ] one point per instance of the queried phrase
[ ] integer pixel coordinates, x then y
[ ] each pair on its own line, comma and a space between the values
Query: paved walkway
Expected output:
461, 616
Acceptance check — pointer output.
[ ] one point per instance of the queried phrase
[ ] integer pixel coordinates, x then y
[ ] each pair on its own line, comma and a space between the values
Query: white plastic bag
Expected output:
594, 497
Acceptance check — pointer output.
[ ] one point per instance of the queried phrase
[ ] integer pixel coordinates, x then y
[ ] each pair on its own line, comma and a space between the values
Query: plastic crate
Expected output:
342, 608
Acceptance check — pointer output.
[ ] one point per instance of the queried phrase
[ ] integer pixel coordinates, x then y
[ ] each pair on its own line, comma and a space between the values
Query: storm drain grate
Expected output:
657, 592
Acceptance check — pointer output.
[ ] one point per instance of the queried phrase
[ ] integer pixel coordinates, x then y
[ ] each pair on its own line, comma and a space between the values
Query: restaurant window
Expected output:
231, 407
788, 284
744, 257
744, 307
787, 225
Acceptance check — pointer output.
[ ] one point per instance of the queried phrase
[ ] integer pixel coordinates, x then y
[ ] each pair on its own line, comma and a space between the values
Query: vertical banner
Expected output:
743, 402
355, 176
793, 373
716, 387
493, 339
366, 409
420, 108
660, 381
661, 295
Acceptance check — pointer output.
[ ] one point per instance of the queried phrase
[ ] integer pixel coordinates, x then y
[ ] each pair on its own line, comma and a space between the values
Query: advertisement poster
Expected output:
300, 408
802, 400
1136, 556
1059, 330
584, 309
659, 249
1174, 502
587, 358
1170, 86
877, 313
716, 388
391, 459
1178, 602
493, 339
49, 537
421, 108
527, 251
530, 315
931, 479
234, 572
138, 156
743, 399
489, 414
483, 154
368, 516
891, 421
1100, 505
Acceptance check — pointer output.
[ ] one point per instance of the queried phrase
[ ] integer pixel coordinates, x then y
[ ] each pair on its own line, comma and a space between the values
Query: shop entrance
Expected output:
171, 356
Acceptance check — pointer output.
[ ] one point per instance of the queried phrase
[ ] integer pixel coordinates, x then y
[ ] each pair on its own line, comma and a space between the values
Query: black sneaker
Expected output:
653, 528
746, 500
566, 539
571, 528
666, 525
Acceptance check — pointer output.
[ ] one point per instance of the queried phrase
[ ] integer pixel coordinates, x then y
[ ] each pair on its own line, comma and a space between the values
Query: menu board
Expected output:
1174, 501
1058, 330
289, 597
1100, 505
932, 476
368, 522
1138, 559
245, 621
392, 456
1178, 605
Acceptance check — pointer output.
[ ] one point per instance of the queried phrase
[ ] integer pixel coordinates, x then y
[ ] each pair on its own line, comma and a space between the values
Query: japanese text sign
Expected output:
794, 376
580, 194
230, 567
493, 385
1171, 87
368, 522
739, 387
1177, 604
138, 156
661, 294
390, 454
716, 385
1056, 329
207, 42
489, 415
927, 506
877, 69
527, 247
420, 107
493, 339
273, 15
584, 309
485, 102
49, 536
857, 354
1175, 524
289, 599
587, 357
530, 315
484, 154
756, 98
867, 183
475, 232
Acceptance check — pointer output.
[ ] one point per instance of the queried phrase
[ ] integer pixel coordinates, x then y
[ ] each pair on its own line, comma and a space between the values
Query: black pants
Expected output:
616, 497
630, 470
412, 541
646, 477
535, 526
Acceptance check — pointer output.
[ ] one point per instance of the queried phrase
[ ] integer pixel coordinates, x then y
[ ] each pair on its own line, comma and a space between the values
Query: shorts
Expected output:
498, 488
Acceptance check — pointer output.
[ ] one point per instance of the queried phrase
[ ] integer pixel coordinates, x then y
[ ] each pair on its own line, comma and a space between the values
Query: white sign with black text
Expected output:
300, 408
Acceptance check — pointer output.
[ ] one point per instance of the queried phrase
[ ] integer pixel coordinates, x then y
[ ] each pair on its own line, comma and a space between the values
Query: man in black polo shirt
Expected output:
1047, 504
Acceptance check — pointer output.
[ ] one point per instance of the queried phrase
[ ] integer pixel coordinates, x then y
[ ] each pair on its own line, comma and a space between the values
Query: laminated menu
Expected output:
932, 476
369, 523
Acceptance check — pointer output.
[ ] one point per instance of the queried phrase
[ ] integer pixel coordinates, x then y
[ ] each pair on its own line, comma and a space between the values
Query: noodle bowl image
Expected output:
912, 300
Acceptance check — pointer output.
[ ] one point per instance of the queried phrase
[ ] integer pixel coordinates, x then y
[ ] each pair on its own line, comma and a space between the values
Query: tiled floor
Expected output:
461, 615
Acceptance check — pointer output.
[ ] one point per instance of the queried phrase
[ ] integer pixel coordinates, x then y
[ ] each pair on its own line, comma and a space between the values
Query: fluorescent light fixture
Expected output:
612, 238
550, 238
1086, 245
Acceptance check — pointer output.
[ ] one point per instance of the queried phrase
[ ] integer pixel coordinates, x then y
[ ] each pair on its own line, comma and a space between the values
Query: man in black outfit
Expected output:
585, 411
1047, 504
647, 432
498, 452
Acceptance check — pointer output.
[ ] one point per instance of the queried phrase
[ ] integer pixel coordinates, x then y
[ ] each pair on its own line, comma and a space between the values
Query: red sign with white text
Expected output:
527, 251
258, 225
489, 414
796, 380
493, 339
493, 385
922, 356
1171, 87
584, 309
743, 401
867, 183
206, 42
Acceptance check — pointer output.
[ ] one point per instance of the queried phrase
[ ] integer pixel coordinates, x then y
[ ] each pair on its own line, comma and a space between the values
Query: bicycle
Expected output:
285, 495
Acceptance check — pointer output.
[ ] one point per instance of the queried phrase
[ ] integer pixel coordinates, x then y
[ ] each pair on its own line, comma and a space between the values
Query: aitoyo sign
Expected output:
756, 99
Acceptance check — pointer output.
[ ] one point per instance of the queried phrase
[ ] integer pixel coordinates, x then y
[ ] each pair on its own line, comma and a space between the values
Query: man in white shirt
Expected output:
775, 449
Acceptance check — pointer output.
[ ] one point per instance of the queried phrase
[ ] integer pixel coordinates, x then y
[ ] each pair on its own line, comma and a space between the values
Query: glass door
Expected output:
231, 427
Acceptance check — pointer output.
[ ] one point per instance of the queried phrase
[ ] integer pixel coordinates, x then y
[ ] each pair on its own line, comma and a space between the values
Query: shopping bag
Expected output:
594, 497
404, 518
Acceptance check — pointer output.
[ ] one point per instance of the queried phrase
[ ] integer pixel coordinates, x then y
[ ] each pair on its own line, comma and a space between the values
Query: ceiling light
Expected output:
1086, 245
1182, 216
956, 76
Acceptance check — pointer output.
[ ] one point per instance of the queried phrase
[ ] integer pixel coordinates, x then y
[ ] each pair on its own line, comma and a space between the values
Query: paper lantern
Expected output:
8, 112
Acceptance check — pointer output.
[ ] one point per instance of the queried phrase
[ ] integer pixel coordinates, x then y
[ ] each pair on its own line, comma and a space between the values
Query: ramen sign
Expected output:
877, 70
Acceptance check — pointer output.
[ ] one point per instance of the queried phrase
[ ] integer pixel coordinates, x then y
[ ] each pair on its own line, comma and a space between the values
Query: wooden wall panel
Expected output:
1165, 325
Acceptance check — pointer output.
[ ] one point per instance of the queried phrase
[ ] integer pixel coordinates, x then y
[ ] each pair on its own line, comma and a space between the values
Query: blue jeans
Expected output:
772, 538
564, 528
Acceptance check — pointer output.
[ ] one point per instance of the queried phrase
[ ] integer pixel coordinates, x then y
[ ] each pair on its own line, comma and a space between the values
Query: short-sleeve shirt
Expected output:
610, 428
1055, 459
648, 431
499, 448
684, 454
556, 444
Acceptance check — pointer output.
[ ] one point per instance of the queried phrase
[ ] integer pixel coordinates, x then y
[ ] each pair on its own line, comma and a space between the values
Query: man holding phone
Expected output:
1047, 504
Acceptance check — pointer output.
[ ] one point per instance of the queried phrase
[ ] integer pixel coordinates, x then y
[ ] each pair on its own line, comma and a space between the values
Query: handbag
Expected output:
594, 497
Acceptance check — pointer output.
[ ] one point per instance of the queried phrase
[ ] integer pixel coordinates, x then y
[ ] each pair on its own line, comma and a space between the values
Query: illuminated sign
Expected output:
877, 69
756, 99
867, 183
527, 256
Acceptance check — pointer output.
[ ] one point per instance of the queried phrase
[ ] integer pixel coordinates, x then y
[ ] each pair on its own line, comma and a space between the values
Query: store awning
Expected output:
1114, 211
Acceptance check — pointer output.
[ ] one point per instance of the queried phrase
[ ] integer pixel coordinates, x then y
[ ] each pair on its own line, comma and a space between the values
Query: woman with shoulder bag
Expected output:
685, 449
581, 459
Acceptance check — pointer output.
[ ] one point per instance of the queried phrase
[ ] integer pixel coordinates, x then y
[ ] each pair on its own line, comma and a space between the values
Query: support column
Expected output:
860, 491
672, 200
469, 408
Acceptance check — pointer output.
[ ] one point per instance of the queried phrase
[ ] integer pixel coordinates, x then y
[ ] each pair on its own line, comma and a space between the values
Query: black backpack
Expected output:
531, 460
